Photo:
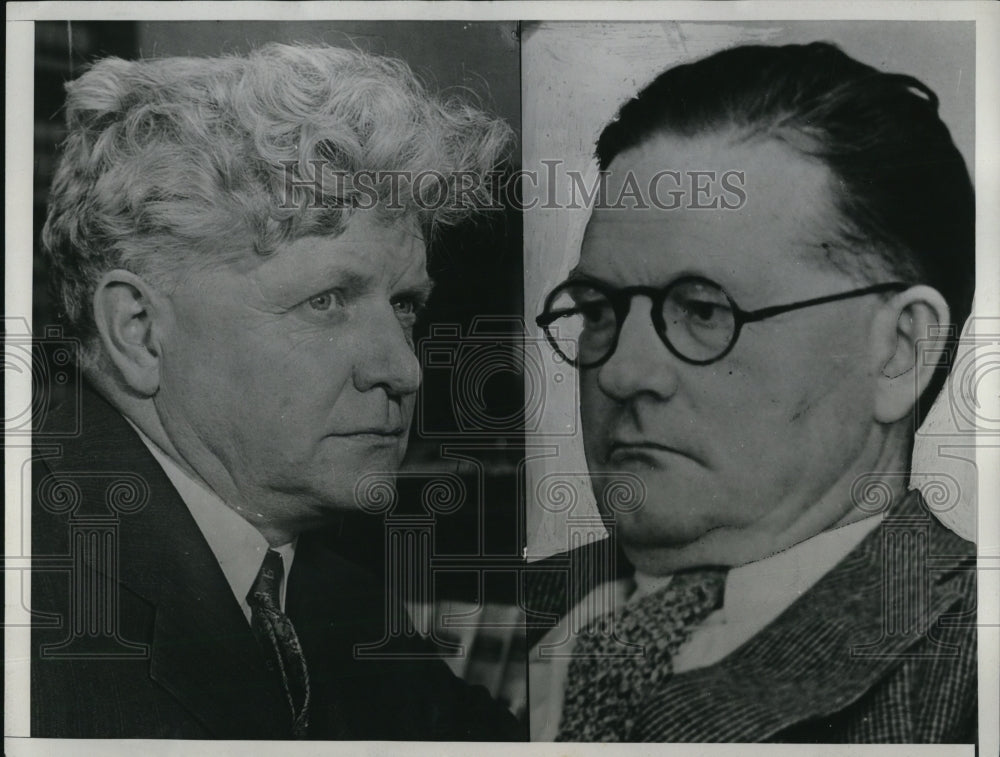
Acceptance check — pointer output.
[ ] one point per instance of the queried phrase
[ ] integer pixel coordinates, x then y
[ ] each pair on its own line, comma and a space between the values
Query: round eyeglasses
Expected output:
695, 318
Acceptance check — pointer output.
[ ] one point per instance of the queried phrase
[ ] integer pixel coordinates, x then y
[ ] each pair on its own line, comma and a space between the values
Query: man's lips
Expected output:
623, 449
373, 433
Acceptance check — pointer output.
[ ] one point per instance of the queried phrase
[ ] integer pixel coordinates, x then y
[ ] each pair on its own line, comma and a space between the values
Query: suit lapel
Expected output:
860, 621
828, 649
211, 664
202, 650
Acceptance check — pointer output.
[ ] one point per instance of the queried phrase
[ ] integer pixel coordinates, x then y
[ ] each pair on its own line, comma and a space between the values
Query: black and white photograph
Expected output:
761, 304
280, 226
568, 378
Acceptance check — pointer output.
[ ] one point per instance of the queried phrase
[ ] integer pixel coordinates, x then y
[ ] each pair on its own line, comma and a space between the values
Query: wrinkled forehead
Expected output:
367, 239
368, 256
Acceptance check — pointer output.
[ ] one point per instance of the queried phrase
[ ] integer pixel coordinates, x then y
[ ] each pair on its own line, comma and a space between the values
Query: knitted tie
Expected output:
277, 636
606, 685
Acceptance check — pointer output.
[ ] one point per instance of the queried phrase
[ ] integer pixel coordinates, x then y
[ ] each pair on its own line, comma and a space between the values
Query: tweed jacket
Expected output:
137, 633
881, 649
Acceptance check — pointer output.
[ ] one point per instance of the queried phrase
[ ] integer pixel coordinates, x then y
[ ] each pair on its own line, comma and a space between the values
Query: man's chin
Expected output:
353, 460
656, 523
665, 547
668, 500
367, 487
668, 534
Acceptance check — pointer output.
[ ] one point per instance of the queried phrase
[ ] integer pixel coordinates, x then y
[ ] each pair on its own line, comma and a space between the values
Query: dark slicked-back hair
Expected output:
904, 195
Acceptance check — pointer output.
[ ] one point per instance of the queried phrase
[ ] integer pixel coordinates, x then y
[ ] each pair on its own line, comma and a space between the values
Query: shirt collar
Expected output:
779, 579
788, 574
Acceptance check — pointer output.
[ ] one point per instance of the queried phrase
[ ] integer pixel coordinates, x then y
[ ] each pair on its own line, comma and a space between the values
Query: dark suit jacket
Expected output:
881, 649
137, 633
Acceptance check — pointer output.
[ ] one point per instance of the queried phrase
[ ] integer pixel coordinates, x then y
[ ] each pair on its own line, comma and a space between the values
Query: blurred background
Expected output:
460, 483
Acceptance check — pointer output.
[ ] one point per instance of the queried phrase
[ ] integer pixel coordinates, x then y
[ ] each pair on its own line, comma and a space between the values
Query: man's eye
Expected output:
325, 302
704, 315
407, 307
704, 311
596, 313
404, 307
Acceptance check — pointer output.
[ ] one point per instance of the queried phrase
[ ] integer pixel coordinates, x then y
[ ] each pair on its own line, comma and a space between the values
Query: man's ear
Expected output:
909, 342
126, 310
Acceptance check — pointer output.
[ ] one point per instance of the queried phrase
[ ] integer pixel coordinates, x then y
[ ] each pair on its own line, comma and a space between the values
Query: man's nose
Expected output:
387, 357
641, 363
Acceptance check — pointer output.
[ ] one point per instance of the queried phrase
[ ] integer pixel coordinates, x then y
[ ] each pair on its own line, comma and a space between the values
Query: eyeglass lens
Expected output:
695, 317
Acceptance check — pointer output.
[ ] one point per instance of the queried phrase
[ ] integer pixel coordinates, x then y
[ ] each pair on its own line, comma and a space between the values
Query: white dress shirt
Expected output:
755, 594
236, 544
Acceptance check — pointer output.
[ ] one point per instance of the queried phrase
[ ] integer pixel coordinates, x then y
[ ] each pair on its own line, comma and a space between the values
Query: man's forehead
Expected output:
368, 253
768, 159
365, 236
782, 220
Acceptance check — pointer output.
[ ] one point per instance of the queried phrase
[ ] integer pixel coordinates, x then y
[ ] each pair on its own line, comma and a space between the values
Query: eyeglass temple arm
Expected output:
749, 316
548, 318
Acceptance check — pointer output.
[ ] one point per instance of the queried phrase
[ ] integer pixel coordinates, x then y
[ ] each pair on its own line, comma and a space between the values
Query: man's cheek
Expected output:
598, 416
408, 404
593, 408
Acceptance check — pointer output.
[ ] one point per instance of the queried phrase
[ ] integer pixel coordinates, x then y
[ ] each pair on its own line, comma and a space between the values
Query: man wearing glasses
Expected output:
753, 373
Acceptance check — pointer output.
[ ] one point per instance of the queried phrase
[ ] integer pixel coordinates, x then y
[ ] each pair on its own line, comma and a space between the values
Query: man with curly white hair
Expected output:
239, 245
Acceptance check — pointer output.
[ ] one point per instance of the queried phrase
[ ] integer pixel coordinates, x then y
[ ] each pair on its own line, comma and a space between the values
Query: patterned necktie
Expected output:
277, 636
616, 665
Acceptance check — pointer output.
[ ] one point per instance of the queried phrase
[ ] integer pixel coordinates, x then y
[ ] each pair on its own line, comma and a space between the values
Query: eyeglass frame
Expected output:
621, 303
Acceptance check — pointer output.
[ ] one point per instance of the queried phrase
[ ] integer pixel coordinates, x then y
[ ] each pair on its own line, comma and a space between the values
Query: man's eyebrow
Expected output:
576, 275
351, 282
421, 290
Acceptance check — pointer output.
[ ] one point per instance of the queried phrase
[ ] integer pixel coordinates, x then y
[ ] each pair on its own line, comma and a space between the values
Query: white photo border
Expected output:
19, 75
